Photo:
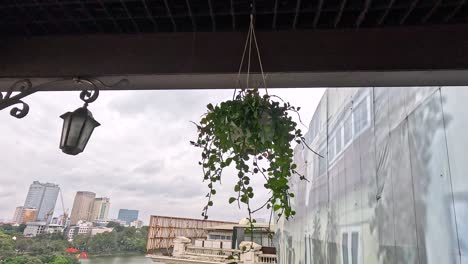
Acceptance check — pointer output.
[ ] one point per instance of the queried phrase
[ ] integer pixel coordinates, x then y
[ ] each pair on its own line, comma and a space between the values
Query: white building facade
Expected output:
391, 186
33, 229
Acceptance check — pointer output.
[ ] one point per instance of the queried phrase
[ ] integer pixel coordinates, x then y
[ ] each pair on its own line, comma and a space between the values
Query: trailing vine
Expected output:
253, 133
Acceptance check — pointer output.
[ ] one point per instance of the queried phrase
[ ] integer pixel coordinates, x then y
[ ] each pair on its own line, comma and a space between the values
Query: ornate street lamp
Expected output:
79, 124
77, 129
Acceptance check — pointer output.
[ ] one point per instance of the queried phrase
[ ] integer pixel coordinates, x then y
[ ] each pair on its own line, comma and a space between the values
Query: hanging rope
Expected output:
248, 43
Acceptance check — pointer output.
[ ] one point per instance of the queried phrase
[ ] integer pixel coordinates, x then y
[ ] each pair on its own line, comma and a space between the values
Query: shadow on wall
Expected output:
387, 195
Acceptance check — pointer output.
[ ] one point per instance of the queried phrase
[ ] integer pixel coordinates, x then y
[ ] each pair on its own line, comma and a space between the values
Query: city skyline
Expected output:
98, 211
140, 157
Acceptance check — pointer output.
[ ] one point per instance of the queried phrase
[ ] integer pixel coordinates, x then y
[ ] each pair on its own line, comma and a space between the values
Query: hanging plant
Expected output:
253, 133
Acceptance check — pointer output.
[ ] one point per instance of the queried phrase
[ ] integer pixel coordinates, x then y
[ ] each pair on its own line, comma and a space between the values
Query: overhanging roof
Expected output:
193, 44
45, 17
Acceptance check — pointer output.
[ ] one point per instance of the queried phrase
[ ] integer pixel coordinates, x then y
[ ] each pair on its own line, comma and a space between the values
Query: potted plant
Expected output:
254, 133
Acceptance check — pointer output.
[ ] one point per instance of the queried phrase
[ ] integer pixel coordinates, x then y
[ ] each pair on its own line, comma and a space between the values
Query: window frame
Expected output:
366, 98
349, 231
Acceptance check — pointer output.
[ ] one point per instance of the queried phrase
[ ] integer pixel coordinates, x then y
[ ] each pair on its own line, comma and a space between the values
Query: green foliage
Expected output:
13, 230
60, 260
42, 245
6, 242
117, 227
7, 246
124, 239
51, 248
20, 228
254, 133
81, 242
46, 248
24, 260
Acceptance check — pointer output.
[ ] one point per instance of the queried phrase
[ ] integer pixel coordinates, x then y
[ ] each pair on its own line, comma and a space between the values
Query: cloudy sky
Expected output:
140, 156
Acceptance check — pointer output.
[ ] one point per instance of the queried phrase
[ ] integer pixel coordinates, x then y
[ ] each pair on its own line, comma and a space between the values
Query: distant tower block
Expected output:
82, 207
43, 197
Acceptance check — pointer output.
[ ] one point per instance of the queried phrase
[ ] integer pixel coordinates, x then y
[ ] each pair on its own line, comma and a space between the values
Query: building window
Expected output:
354, 247
344, 248
347, 130
361, 116
315, 126
350, 248
322, 162
331, 148
338, 140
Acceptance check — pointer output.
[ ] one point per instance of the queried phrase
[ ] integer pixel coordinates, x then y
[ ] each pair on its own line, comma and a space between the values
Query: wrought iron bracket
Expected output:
24, 87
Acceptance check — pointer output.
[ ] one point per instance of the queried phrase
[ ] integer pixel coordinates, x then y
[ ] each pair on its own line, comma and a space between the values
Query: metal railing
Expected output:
211, 251
266, 258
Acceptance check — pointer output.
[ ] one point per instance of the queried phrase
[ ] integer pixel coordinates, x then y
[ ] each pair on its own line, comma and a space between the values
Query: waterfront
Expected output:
117, 260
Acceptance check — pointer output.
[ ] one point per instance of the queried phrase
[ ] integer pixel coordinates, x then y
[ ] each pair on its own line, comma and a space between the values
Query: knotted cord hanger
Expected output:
248, 43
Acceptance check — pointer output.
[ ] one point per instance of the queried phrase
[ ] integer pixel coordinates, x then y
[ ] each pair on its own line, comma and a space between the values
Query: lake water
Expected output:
118, 260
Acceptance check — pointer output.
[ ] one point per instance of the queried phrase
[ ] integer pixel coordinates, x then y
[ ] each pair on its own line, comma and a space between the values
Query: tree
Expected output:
24, 260
117, 227
81, 242
62, 260
7, 246
13, 230
112, 224
21, 228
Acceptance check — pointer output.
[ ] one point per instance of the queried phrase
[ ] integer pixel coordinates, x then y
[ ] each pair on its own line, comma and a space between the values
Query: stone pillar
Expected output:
180, 244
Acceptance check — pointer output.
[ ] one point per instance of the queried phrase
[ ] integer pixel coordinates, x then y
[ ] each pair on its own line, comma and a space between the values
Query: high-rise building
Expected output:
128, 215
101, 208
17, 215
43, 197
82, 207
24, 214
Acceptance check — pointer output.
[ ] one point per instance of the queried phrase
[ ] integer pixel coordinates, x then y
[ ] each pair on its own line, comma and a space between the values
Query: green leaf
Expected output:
244, 199
210, 107
232, 199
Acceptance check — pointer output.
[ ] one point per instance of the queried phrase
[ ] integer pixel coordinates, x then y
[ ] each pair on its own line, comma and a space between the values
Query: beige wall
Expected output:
29, 215
82, 207
100, 204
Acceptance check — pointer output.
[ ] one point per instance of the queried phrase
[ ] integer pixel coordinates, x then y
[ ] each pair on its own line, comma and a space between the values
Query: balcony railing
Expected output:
266, 258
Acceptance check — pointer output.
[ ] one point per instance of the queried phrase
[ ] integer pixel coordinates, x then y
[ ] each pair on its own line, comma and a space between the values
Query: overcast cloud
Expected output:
140, 156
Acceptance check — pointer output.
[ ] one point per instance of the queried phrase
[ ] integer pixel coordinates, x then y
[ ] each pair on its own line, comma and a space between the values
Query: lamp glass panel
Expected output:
77, 123
88, 128
66, 126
